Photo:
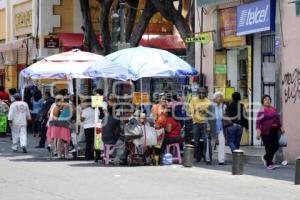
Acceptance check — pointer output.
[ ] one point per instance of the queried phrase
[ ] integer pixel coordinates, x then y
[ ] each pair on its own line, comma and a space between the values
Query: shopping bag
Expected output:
282, 140
149, 136
160, 133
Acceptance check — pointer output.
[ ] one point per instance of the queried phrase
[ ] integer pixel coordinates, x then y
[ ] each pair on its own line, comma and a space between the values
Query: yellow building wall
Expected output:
65, 11
11, 77
2, 24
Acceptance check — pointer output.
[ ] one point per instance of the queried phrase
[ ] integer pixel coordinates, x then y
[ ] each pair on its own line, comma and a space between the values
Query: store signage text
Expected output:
256, 17
23, 19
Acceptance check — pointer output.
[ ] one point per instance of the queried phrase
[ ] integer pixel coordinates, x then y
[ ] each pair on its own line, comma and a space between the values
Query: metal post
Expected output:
297, 172
188, 155
122, 21
238, 162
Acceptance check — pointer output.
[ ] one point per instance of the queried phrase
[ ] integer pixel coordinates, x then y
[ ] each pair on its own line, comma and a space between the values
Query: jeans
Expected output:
200, 137
234, 136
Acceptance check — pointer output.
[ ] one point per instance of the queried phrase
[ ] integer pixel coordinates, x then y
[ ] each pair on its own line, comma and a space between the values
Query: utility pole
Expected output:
122, 44
122, 21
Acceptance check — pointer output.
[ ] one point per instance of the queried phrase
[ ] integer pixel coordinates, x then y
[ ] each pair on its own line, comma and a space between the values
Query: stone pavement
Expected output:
32, 177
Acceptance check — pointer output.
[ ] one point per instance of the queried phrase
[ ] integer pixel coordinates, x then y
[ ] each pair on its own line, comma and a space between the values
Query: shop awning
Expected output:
166, 42
16, 44
204, 3
71, 41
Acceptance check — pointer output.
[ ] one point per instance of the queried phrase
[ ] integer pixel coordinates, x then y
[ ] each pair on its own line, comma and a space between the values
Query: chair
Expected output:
177, 156
106, 157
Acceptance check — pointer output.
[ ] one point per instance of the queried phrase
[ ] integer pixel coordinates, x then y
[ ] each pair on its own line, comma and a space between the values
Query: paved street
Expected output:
32, 176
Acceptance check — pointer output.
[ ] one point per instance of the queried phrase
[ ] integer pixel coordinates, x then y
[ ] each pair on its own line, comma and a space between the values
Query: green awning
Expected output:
212, 2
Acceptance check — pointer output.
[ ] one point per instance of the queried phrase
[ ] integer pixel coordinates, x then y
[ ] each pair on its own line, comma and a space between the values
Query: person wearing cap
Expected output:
215, 128
18, 116
198, 109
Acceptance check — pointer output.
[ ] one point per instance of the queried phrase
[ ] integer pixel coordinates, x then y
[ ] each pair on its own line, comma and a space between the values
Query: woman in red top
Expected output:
172, 130
268, 127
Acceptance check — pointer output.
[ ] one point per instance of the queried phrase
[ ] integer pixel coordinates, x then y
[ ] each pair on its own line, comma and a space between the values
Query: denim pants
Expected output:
199, 132
234, 136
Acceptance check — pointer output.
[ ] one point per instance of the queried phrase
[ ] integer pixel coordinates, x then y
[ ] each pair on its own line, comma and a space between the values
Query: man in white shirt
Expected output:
18, 115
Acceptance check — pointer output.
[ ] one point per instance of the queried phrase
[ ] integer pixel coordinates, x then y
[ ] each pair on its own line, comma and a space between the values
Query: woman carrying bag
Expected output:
268, 128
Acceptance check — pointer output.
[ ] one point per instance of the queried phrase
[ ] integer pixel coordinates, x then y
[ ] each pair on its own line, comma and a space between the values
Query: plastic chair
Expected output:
106, 157
176, 157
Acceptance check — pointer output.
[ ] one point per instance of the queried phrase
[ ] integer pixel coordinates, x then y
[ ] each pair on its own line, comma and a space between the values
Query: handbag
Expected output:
282, 140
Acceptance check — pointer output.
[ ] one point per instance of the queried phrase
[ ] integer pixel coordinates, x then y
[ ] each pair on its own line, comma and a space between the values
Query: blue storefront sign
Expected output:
256, 17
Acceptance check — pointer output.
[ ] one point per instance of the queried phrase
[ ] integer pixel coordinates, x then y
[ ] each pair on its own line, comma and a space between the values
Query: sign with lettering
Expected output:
256, 17
97, 101
51, 42
23, 19
203, 38
228, 29
139, 98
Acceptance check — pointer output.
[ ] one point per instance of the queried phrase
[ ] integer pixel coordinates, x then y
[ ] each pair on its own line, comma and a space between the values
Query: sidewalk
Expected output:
285, 173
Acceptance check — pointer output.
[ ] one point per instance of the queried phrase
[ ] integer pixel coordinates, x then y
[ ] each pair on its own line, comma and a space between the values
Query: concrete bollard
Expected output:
188, 155
297, 172
238, 162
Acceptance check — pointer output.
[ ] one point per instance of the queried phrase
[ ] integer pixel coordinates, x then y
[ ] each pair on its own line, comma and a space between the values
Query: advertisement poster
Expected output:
228, 29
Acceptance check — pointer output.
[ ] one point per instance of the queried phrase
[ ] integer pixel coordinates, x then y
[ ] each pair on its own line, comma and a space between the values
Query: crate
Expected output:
3, 123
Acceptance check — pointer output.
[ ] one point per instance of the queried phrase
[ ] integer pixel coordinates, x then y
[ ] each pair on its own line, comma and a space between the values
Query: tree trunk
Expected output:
89, 35
104, 24
132, 16
148, 13
167, 9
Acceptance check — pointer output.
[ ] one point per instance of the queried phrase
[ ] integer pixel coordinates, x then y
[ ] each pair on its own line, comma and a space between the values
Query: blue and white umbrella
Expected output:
151, 62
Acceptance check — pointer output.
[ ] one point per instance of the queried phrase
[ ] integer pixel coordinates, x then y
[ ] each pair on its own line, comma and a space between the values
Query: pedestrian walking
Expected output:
88, 120
268, 128
215, 128
18, 116
43, 118
236, 122
198, 110
37, 104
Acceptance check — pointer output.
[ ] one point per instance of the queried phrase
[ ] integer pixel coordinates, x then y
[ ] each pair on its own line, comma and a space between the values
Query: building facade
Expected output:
289, 43
253, 51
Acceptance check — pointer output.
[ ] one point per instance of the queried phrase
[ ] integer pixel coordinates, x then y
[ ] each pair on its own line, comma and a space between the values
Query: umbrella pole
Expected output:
141, 95
77, 102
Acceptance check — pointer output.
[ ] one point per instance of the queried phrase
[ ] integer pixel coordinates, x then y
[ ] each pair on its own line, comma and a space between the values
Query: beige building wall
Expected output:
65, 11
2, 24
291, 76
22, 18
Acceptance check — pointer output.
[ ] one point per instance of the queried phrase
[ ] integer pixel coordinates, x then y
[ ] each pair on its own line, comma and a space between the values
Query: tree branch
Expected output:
104, 24
132, 16
180, 6
160, 6
89, 34
148, 13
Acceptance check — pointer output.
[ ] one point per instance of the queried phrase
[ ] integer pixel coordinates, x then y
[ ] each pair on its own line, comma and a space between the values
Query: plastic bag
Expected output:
282, 140
150, 137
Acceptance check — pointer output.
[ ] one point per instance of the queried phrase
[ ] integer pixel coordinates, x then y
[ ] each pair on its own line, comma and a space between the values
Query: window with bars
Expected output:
297, 3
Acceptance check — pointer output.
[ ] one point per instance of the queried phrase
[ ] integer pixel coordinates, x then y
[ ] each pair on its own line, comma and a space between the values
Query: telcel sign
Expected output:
256, 17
